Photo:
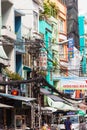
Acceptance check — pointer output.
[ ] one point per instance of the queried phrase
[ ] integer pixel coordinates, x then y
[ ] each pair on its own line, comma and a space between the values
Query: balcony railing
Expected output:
7, 33
20, 47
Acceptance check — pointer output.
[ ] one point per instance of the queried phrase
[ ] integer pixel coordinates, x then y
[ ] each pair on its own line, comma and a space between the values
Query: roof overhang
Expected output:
57, 98
49, 109
26, 68
19, 13
19, 98
5, 106
60, 105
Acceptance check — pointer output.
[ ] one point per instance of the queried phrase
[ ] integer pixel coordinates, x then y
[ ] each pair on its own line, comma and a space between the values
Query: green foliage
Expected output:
50, 9
12, 75
46, 9
42, 72
55, 64
54, 9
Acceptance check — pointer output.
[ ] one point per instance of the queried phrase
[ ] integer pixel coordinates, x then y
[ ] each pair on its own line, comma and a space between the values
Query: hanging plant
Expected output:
54, 9
50, 9
46, 12
12, 75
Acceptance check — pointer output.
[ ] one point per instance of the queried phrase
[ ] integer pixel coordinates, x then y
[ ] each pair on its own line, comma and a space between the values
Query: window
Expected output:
61, 25
61, 52
35, 22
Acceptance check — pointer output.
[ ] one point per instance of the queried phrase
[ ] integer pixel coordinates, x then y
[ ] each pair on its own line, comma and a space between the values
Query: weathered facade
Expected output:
72, 21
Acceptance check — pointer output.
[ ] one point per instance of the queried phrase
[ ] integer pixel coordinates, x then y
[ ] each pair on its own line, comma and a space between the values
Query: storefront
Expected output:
3, 114
20, 115
76, 87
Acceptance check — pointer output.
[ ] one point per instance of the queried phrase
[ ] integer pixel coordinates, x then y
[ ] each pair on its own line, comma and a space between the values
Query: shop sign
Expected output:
73, 85
43, 60
71, 48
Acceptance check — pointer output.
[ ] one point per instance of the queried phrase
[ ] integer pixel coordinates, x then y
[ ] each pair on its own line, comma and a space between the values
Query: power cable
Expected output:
43, 82
34, 43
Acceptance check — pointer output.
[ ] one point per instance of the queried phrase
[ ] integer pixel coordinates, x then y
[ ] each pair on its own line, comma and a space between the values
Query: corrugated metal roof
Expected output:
20, 98
44, 91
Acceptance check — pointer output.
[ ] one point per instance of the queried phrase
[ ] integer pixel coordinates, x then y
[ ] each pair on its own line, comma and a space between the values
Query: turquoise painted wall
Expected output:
81, 21
46, 29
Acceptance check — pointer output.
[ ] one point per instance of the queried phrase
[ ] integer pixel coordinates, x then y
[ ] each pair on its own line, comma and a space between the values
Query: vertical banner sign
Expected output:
43, 60
71, 48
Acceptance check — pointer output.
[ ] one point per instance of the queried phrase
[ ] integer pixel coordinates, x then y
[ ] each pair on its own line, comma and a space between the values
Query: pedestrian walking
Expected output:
48, 127
44, 127
54, 127
68, 124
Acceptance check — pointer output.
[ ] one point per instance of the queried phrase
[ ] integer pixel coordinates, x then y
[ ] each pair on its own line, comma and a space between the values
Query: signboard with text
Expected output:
75, 88
73, 85
71, 48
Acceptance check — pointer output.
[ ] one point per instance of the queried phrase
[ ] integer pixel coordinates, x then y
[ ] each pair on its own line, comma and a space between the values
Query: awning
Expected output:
44, 91
85, 116
49, 94
3, 57
81, 112
48, 109
20, 98
27, 68
60, 105
5, 106
57, 98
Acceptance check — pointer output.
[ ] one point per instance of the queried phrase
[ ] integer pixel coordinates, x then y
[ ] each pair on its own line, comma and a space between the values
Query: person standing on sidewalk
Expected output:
68, 124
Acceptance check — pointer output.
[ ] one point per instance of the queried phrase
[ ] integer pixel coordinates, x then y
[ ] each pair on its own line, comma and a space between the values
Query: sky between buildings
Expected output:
82, 6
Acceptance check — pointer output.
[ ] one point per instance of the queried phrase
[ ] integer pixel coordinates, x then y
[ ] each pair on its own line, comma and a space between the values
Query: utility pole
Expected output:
34, 51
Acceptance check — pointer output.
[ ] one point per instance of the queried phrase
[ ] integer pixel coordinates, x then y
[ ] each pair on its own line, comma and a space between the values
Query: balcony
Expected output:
62, 36
20, 47
37, 35
7, 33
